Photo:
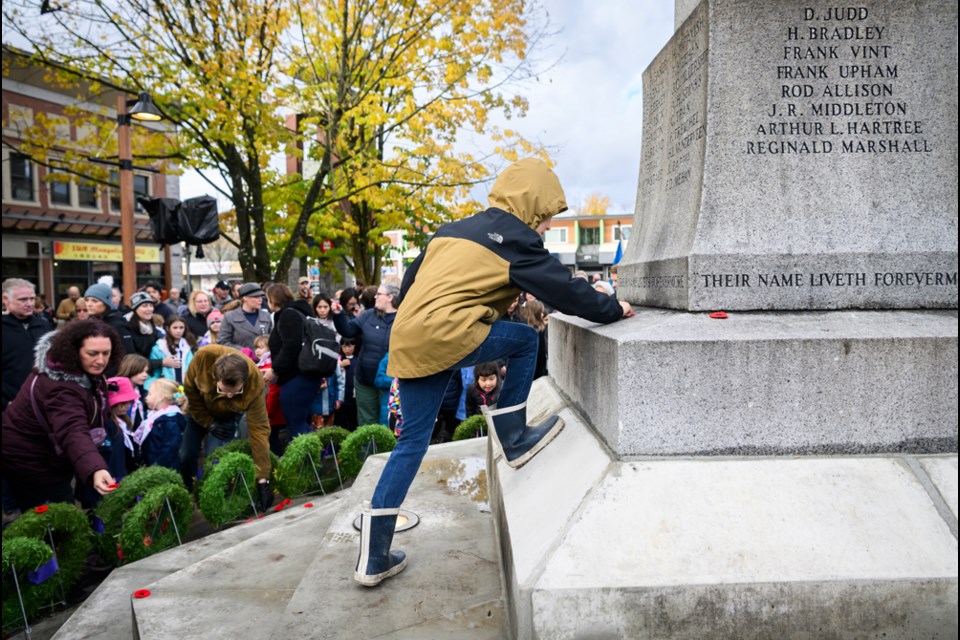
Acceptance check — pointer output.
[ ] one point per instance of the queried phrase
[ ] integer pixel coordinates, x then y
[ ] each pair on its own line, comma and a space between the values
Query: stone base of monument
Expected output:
599, 546
764, 383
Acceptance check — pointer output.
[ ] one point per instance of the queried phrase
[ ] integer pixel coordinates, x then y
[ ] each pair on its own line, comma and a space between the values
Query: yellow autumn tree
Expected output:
385, 93
595, 204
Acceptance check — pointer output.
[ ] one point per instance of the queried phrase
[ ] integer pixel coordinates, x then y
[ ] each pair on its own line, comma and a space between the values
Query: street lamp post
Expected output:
143, 110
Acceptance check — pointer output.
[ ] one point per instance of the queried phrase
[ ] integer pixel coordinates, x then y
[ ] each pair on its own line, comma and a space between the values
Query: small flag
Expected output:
618, 256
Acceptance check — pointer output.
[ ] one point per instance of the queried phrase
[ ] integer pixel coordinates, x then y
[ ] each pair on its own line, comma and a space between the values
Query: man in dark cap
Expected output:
221, 294
241, 326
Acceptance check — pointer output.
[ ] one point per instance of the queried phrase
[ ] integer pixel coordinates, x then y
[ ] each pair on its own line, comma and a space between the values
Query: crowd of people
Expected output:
165, 388
166, 381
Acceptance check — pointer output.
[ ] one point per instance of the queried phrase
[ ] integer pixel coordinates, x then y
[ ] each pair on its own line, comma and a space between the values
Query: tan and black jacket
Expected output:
473, 269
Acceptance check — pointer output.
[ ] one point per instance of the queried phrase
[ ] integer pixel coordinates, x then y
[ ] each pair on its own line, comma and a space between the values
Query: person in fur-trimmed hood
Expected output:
52, 428
453, 297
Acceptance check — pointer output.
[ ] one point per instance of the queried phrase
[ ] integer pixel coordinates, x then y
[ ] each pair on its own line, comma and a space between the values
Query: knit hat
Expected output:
214, 316
606, 286
120, 390
140, 298
101, 292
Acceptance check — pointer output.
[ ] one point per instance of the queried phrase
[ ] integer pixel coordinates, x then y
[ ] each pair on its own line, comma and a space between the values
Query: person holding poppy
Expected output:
221, 386
53, 427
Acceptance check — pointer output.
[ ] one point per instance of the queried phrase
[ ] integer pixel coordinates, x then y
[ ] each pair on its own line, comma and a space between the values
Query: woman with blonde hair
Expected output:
198, 308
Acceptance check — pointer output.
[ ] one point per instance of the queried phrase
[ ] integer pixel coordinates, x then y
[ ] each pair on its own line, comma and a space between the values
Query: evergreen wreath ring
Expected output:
116, 504
470, 427
355, 446
27, 554
147, 528
294, 475
240, 445
222, 497
71, 539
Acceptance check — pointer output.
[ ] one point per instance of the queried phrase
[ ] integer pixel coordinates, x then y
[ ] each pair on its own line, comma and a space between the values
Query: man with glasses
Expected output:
222, 386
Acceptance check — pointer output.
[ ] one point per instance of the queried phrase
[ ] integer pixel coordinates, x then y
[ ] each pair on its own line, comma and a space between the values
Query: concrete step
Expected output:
451, 587
725, 547
107, 614
238, 592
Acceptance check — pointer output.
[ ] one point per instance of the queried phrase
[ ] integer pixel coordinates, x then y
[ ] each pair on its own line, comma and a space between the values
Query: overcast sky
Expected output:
587, 108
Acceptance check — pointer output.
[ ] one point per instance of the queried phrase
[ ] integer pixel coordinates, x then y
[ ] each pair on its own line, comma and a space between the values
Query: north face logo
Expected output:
496, 237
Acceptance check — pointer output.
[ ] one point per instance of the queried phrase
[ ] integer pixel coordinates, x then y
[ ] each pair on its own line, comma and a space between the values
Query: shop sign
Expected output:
97, 252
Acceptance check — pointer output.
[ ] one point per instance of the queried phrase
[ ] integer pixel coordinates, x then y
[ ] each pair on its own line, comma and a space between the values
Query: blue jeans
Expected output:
190, 449
420, 400
296, 397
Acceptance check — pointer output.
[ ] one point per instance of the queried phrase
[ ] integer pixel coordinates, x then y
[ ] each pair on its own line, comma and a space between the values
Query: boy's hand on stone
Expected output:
627, 309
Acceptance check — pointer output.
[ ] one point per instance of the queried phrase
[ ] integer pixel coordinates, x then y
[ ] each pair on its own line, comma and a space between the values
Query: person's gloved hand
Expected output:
224, 429
266, 495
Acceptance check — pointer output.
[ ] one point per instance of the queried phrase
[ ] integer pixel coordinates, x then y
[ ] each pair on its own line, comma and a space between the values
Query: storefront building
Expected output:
64, 233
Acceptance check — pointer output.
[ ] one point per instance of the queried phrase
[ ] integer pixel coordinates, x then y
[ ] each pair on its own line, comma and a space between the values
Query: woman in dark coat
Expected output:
51, 429
198, 308
296, 389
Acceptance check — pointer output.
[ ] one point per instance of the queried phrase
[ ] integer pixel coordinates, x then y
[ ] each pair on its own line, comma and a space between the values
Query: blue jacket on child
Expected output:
162, 446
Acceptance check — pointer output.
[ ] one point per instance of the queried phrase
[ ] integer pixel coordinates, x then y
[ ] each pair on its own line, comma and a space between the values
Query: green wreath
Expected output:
222, 497
335, 435
26, 554
355, 448
147, 527
71, 540
472, 427
240, 445
295, 475
116, 505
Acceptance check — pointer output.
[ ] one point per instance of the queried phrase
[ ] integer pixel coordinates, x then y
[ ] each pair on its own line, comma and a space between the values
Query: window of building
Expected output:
621, 232
556, 235
141, 187
72, 193
21, 178
88, 195
59, 190
590, 235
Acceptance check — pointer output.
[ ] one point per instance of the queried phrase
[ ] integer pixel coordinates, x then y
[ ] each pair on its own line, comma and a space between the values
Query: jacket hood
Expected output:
530, 190
302, 306
51, 369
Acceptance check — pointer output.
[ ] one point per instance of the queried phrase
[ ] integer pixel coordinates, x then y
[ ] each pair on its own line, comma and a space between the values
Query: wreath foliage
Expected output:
147, 528
26, 554
222, 497
117, 504
356, 447
71, 540
336, 435
240, 445
295, 475
472, 427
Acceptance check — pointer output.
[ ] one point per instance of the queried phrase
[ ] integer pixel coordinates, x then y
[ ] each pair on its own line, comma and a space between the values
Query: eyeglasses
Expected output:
382, 293
229, 394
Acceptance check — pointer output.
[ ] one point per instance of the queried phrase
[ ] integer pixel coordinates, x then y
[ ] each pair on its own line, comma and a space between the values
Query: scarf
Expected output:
147, 425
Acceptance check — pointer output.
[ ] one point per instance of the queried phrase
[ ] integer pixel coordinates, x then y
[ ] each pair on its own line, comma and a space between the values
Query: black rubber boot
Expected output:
518, 441
376, 562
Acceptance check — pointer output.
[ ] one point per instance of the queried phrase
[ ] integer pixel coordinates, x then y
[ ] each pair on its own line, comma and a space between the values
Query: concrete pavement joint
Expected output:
938, 502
